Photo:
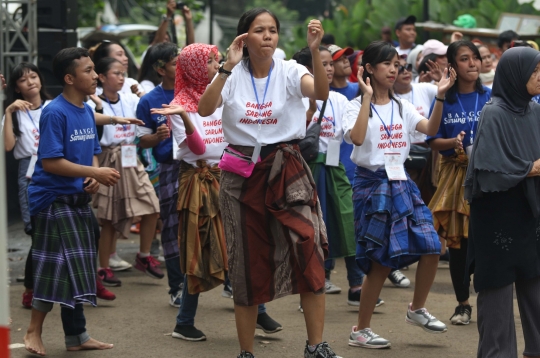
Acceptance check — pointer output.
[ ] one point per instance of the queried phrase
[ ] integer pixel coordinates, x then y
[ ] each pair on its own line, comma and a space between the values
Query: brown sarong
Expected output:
201, 240
276, 237
449, 208
132, 196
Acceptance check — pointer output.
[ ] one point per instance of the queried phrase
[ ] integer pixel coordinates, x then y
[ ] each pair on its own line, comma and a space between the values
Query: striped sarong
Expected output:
168, 199
393, 225
450, 210
276, 238
64, 252
200, 230
132, 196
335, 195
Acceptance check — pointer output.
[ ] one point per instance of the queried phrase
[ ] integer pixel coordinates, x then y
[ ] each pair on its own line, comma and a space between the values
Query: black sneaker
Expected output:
354, 299
462, 315
322, 350
267, 324
245, 354
188, 333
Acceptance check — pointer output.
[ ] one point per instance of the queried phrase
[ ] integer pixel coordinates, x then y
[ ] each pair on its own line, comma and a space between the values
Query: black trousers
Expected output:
458, 271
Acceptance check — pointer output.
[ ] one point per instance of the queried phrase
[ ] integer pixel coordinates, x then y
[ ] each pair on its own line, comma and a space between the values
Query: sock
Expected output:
142, 255
353, 290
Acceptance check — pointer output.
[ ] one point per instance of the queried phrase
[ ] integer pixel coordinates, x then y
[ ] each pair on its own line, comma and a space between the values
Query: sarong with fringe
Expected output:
168, 200
64, 252
393, 225
450, 210
132, 196
200, 230
335, 195
276, 237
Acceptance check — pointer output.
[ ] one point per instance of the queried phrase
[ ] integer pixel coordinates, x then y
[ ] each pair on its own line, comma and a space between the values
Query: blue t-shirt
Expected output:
346, 149
69, 132
536, 99
154, 99
456, 119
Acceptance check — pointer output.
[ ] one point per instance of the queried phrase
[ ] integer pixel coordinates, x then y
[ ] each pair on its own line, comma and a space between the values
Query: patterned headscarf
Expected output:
192, 75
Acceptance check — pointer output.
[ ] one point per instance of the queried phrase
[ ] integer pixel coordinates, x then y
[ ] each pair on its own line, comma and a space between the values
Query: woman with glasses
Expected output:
461, 113
133, 195
487, 72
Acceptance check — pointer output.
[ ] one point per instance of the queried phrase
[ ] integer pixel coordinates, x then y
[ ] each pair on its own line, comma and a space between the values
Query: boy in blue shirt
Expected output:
65, 176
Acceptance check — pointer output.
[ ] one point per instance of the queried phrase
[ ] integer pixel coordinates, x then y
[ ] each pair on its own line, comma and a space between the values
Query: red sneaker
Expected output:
103, 293
150, 266
27, 298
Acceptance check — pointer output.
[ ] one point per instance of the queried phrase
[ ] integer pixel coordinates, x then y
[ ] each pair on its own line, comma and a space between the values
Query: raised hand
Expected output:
95, 98
364, 86
446, 81
168, 109
122, 120
314, 34
235, 54
107, 176
3, 84
434, 71
187, 13
19, 105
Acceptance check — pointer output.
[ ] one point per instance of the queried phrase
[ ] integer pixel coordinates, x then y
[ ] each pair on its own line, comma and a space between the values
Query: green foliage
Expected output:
88, 11
275, 6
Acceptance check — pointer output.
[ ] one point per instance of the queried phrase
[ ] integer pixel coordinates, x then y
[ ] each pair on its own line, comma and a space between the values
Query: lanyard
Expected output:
112, 109
472, 121
259, 104
333, 120
32, 119
388, 130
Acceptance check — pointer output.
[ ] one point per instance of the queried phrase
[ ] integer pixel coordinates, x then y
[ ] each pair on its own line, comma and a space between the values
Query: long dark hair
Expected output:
103, 66
305, 58
12, 95
451, 94
245, 23
378, 52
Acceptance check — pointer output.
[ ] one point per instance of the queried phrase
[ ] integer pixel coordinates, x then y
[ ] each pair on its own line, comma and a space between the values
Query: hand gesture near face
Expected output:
314, 34
364, 86
19, 105
235, 54
446, 81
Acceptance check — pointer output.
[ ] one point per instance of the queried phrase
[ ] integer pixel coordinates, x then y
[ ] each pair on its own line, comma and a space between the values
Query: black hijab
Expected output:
505, 144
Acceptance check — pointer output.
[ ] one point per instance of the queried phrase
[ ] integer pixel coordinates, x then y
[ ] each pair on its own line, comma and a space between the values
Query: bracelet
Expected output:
112, 120
440, 99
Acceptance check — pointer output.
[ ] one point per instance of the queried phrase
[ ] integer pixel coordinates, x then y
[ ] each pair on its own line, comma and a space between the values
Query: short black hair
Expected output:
506, 37
65, 62
247, 19
304, 56
328, 39
409, 20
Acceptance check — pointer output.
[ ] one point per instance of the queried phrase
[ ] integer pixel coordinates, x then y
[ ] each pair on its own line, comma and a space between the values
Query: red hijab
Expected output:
192, 75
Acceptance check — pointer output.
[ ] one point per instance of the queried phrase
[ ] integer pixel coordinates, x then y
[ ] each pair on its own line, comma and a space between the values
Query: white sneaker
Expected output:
399, 279
426, 321
331, 288
117, 264
462, 315
227, 291
176, 300
366, 338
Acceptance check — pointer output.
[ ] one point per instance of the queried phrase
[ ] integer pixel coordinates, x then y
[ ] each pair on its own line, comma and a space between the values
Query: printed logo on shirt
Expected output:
35, 133
82, 135
461, 118
396, 130
255, 111
327, 128
122, 132
213, 132
160, 119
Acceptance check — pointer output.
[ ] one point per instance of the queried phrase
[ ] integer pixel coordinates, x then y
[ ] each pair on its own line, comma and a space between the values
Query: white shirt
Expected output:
370, 154
422, 96
401, 51
331, 125
126, 88
283, 114
119, 134
27, 144
211, 132
147, 86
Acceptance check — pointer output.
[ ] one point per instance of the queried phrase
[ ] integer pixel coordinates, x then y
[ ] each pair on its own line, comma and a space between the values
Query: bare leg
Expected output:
91, 344
425, 275
246, 320
148, 231
371, 289
313, 306
105, 242
32, 338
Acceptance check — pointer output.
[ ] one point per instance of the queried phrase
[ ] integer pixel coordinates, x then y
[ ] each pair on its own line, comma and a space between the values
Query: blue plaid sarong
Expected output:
393, 226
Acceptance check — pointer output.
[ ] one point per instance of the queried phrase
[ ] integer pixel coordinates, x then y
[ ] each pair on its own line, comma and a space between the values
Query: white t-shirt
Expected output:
331, 125
401, 51
119, 134
27, 144
211, 132
422, 95
370, 154
147, 86
283, 115
126, 88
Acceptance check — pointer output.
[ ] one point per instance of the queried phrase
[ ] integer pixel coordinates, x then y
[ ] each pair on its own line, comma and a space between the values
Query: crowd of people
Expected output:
258, 173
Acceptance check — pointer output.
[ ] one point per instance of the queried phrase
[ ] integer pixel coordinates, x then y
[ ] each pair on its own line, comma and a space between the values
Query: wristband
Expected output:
440, 99
112, 120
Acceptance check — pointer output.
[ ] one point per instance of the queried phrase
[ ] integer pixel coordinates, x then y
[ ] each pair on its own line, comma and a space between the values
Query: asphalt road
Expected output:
140, 321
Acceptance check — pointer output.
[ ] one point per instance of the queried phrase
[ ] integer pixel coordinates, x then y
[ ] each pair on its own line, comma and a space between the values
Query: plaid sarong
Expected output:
168, 198
64, 252
335, 195
393, 225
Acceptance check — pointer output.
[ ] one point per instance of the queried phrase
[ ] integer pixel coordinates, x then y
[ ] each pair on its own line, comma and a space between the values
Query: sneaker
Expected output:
108, 278
354, 299
426, 321
367, 339
188, 333
176, 299
117, 264
27, 298
462, 315
331, 288
322, 350
267, 324
102, 292
245, 354
149, 265
227, 291
154, 248
399, 279
300, 308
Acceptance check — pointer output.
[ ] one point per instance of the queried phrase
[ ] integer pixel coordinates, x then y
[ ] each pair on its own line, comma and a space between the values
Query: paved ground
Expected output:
139, 322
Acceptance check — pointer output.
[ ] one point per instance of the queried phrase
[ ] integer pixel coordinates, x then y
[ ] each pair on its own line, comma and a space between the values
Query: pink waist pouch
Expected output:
235, 162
